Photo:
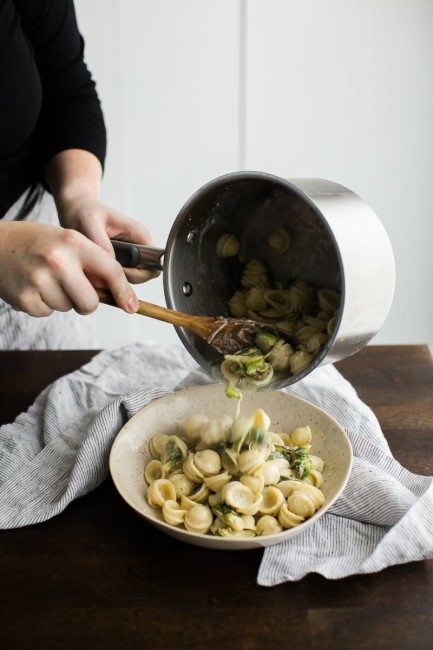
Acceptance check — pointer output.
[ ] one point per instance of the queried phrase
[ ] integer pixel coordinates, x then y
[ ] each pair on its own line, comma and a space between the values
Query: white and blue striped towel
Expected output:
58, 450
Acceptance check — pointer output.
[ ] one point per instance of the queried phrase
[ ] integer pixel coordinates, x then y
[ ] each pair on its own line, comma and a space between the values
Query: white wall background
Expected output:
338, 89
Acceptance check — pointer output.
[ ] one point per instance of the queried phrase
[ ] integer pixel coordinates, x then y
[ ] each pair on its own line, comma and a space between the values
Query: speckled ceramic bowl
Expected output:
130, 453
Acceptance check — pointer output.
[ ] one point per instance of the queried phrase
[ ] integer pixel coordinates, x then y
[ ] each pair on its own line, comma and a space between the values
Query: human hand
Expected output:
45, 268
100, 223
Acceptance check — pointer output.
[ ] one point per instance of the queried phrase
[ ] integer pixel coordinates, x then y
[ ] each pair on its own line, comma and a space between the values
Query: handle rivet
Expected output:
187, 289
192, 236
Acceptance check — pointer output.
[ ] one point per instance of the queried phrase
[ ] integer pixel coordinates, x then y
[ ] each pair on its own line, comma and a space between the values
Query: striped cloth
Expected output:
58, 450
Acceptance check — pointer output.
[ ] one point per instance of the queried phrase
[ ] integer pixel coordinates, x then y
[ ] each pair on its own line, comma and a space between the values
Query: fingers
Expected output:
54, 296
133, 231
95, 231
80, 292
128, 229
137, 276
31, 302
98, 263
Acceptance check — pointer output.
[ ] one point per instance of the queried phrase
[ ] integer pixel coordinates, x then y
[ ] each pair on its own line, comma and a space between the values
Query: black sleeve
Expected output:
71, 115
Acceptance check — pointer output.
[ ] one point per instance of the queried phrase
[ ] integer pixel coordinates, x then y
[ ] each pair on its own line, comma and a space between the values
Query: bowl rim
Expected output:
275, 538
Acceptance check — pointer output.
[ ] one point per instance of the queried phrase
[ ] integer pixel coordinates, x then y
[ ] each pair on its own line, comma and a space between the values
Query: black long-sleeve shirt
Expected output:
48, 100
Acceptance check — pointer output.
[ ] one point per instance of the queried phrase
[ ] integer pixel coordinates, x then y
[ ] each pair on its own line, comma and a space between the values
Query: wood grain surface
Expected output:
97, 576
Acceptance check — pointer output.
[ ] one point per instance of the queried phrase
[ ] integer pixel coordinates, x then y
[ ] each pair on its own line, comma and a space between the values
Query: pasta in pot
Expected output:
255, 299
306, 312
228, 246
279, 240
251, 482
238, 304
255, 275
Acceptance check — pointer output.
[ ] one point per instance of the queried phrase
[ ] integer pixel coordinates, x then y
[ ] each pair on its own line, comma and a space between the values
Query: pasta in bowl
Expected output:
188, 486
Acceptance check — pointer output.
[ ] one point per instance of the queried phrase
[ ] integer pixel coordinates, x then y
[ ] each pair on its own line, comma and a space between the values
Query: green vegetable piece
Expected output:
256, 437
227, 515
172, 456
276, 455
256, 365
266, 341
232, 392
302, 464
284, 452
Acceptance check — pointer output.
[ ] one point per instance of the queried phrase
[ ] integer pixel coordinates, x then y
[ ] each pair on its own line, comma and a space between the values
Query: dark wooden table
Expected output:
98, 576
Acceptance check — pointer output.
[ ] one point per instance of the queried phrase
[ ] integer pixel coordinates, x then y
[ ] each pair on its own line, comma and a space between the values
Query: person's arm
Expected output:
71, 138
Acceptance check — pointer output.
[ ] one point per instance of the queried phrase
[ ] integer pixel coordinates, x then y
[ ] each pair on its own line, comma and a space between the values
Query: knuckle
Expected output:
28, 302
71, 237
36, 278
55, 258
86, 306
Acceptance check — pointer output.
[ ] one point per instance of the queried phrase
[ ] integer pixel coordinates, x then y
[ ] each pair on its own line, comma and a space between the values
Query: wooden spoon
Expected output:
227, 335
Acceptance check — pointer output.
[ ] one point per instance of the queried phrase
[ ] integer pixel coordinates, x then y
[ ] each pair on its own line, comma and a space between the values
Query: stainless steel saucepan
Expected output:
337, 241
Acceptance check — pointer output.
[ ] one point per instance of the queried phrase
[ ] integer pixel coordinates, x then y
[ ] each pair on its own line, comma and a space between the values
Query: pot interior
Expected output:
251, 206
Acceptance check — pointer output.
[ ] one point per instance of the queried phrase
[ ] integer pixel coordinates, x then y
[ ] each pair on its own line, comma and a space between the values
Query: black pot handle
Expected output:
137, 256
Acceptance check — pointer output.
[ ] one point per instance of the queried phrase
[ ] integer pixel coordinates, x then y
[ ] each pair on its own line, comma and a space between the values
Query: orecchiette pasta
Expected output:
328, 300
227, 246
301, 436
280, 356
317, 463
239, 496
217, 482
275, 439
249, 461
172, 513
191, 470
300, 360
215, 499
186, 503
237, 304
268, 525
198, 519
272, 501
289, 519
157, 445
249, 522
193, 425
279, 240
159, 492
215, 431
315, 478
182, 484
201, 495
207, 462
249, 482
153, 471
255, 275
271, 473
256, 481
255, 299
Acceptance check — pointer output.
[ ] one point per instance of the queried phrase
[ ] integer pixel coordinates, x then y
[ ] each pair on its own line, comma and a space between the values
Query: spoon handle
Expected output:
201, 325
